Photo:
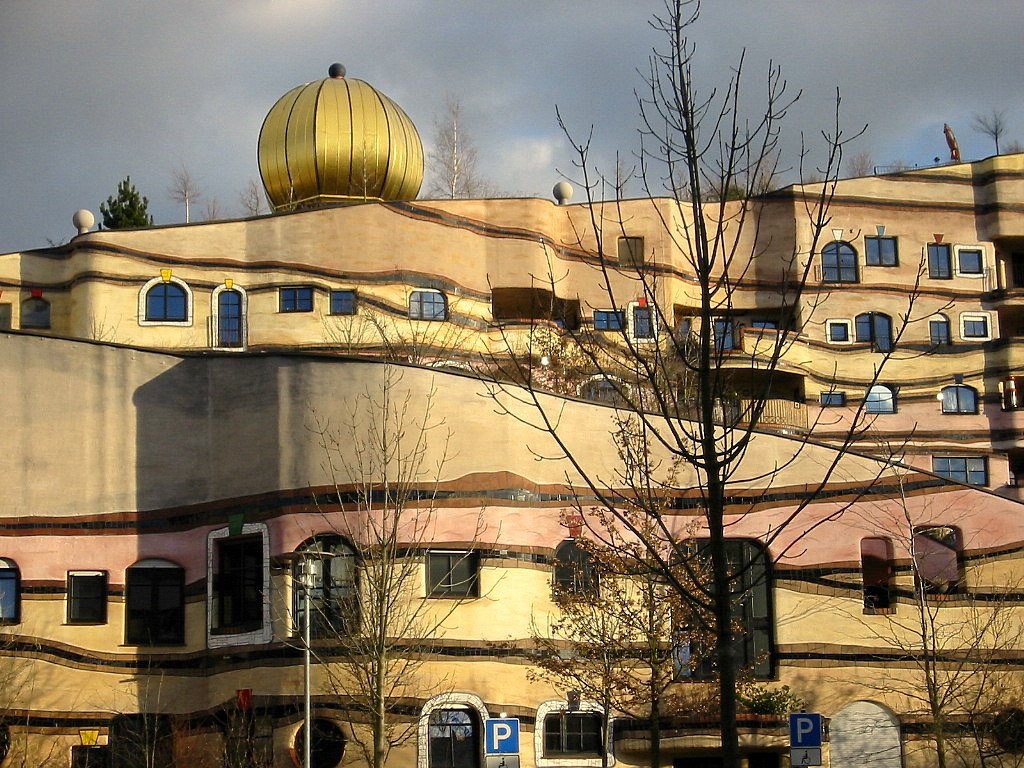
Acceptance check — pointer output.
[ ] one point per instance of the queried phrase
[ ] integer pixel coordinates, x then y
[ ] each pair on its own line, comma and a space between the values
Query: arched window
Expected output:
839, 263
326, 569
574, 572
959, 399
10, 592
938, 331
165, 300
154, 612
602, 389
35, 313
880, 399
876, 328
454, 736
428, 305
229, 314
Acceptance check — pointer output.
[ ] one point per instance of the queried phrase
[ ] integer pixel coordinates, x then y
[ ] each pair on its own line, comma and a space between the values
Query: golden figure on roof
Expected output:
338, 140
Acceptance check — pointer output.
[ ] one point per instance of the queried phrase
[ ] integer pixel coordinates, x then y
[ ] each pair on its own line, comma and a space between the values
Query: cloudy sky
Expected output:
92, 91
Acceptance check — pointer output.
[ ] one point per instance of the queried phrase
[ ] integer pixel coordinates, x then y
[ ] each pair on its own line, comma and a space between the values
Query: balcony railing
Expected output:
777, 415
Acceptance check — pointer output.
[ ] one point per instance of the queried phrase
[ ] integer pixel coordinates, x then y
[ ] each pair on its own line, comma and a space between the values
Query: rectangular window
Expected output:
643, 322
631, 251
725, 337
940, 261
938, 332
238, 584
9, 597
839, 331
5, 317
296, 299
428, 305
833, 399
453, 574
936, 559
154, 605
90, 756
974, 326
87, 597
972, 470
876, 567
573, 733
609, 319
970, 261
764, 325
880, 252
343, 302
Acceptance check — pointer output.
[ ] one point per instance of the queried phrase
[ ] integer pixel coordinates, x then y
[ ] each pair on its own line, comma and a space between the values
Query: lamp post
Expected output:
307, 725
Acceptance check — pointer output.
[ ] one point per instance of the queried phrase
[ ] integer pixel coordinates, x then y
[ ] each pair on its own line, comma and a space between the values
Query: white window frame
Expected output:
839, 321
554, 707
649, 306
408, 306
986, 316
265, 633
215, 317
956, 261
189, 307
454, 700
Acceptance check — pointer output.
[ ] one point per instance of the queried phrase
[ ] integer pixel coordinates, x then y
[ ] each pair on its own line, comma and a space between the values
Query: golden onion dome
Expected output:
338, 140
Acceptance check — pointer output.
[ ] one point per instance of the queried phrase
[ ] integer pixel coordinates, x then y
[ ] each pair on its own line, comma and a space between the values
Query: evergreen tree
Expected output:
128, 209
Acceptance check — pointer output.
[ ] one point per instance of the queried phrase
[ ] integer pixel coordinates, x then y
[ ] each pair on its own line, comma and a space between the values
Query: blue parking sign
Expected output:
501, 736
804, 730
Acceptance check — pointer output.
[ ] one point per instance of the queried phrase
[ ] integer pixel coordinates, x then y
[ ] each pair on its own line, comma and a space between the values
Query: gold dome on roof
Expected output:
338, 140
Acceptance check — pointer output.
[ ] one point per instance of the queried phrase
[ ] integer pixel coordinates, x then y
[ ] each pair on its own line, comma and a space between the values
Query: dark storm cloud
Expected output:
91, 92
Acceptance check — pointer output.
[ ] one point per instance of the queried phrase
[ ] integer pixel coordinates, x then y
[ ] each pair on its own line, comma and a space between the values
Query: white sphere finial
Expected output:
83, 221
563, 192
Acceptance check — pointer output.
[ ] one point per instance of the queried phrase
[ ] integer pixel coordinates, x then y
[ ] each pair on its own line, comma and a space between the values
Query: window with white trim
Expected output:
880, 398
237, 585
975, 326
643, 325
970, 261
165, 301
839, 331
10, 592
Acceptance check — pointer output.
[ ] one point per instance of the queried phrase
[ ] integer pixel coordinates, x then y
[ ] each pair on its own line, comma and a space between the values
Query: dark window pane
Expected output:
972, 470
296, 299
643, 323
959, 399
327, 570
454, 736
876, 328
9, 597
35, 313
166, 302
880, 251
239, 584
975, 327
937, 558
880, 399
573, 733
573, 571
940, 261
833, 399
970, 261
452, 574
631, 251
938, 332
838, 332
609, 319
877, 572
839, 263
343, 302
154, 605
725, 337
87, 598
229, 319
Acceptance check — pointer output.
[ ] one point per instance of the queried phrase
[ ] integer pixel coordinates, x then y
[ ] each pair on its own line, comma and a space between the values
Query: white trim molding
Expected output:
189, 303
555, 706
454, 700
265, 633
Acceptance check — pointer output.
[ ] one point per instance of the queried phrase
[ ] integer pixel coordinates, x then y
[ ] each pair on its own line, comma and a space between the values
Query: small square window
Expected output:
296, 299
880, 252
609, 319
343, 302
453, 574
87, 597
975, 326
428, 305
833, 399
969, 261
839, 331
940, 261
631, 251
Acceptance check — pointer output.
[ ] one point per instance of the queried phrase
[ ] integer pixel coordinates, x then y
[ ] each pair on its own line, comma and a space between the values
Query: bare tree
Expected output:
453, 162
184, 189
253, 198
992, 124
212, 211
387, 457
861, 164
699, 396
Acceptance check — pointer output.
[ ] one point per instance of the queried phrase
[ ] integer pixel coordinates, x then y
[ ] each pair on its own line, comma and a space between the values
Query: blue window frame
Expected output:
833, 399
428, 305
839, 263
296, 299
609, 319
343, 302
167, 302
